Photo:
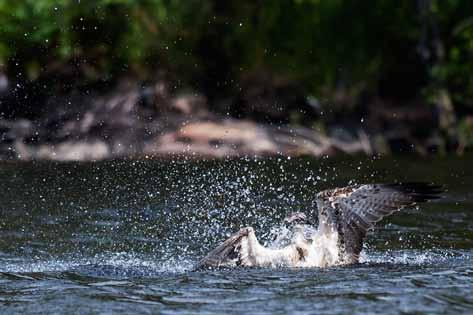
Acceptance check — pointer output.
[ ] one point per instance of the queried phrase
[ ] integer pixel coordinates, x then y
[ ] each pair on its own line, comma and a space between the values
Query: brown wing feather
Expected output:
352, 210
227, 254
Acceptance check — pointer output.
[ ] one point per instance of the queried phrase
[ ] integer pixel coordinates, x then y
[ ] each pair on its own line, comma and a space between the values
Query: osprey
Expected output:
344, 217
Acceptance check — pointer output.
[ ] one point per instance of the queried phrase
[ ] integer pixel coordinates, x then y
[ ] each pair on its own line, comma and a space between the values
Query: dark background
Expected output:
397, 74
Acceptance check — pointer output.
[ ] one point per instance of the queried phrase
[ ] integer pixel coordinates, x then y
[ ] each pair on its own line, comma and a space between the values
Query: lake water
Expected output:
121, 237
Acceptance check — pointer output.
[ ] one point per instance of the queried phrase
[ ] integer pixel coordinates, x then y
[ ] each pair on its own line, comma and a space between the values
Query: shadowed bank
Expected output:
82, 80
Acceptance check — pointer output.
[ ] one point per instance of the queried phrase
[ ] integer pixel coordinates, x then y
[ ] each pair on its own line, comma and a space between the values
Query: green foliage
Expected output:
110, 34
454, 51
465, 132
326, 45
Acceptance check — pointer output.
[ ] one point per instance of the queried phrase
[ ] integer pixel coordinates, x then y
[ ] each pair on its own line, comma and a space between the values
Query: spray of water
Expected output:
163, 217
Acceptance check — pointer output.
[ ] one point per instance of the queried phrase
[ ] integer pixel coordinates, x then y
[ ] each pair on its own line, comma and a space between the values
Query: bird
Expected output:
345, 215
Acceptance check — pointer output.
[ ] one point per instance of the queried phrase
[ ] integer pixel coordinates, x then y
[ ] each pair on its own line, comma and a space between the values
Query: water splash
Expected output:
121, 263
161, 213
412, 256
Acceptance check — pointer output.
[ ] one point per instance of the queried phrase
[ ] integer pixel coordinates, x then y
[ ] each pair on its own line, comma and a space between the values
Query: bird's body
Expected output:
345, 215
321, 250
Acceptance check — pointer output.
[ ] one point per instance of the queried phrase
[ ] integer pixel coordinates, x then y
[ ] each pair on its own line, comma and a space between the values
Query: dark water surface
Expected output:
120, 237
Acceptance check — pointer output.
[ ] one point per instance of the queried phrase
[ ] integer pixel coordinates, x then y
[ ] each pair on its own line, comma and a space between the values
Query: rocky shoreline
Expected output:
127, 124
209, 138
135, 121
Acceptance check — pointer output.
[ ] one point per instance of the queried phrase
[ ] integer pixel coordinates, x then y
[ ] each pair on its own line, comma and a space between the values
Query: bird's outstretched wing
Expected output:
243, 249
352, 210
227, 254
